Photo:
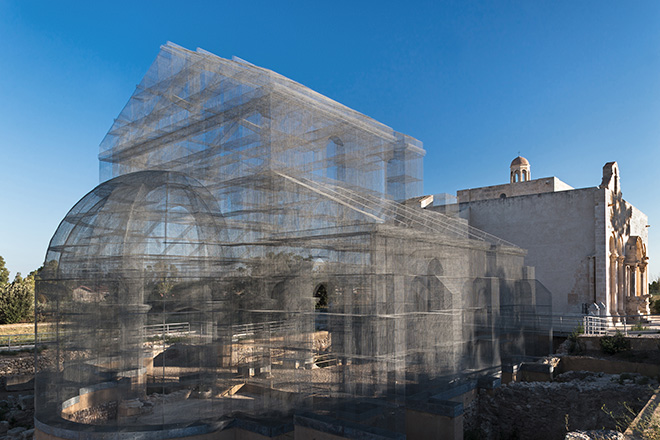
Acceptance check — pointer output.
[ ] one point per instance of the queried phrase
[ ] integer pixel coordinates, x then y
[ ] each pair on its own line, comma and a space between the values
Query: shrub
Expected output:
655, 305
575, 346
639, 327
614, 344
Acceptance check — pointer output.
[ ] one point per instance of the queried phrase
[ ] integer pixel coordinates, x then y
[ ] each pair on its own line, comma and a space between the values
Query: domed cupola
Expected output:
520, 170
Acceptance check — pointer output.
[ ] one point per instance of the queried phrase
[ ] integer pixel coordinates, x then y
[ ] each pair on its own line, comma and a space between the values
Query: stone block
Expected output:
19, 382
509, 373
130, 408
535, 372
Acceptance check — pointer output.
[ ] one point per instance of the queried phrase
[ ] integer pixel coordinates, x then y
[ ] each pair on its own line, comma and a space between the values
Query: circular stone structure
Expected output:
131, 277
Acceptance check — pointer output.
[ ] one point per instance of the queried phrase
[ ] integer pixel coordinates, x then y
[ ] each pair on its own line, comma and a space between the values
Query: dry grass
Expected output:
18, 329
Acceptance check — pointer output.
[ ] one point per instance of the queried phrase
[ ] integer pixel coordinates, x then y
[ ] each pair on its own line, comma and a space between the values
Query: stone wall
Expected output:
22, 364
557, 230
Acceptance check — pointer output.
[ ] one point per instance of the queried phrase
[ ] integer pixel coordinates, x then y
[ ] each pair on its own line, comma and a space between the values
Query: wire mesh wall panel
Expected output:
247, 252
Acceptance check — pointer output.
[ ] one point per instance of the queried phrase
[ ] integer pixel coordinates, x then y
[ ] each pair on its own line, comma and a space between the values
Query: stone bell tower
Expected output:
520, 170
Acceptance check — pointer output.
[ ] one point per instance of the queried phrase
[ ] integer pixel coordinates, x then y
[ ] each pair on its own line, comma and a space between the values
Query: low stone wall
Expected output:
645, 342
609, 366
89, 398
647, 420
21, 364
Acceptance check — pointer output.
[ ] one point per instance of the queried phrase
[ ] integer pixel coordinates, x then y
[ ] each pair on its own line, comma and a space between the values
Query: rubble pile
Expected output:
576, 400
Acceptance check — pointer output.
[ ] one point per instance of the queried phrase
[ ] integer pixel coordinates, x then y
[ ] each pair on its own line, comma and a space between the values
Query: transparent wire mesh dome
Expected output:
131, 267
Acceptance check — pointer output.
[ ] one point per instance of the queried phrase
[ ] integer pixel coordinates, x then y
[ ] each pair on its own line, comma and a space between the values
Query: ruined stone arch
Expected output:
635, 249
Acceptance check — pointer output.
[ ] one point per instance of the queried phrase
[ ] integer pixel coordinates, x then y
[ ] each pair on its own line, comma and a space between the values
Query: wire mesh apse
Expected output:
248, 256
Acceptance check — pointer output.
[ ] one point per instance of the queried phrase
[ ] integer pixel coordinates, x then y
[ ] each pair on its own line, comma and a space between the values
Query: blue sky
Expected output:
568, 84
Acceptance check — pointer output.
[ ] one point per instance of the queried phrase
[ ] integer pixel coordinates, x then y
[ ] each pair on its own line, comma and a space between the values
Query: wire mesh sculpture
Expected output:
247, 252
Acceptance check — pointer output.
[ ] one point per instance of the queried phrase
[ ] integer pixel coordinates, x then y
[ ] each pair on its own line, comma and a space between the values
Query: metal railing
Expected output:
27, 340
592, 324
167, 329
595, 325
244, 330
24, 340
609, 324
171, 329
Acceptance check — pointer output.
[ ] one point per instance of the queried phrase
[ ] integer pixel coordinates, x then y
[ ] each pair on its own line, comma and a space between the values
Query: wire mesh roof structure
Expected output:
247, 252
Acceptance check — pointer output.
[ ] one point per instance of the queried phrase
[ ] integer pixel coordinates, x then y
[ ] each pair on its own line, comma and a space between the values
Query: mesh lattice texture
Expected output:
247, 252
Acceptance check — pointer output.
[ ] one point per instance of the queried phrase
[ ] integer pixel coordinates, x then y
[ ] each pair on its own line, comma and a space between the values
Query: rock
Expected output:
129, 408
576, 436
594, 435
14, 413
18, 417
4, 427
26, 402
28, 434
15, 431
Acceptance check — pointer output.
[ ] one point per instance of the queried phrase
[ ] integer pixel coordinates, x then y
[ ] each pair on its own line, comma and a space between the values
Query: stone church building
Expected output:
588, 245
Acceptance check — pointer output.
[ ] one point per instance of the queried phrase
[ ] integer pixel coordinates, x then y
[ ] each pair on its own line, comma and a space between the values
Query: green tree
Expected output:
654, 287
654, 290
17, 300
42, 278
4, 273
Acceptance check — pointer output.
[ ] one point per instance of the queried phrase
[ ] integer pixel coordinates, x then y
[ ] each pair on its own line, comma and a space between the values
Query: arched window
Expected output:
435, 268
616, 182
321, 295
516, 177
278, 291
524, 175
321, 307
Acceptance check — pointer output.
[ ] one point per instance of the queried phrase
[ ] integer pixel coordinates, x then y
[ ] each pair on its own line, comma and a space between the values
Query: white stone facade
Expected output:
588, 245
